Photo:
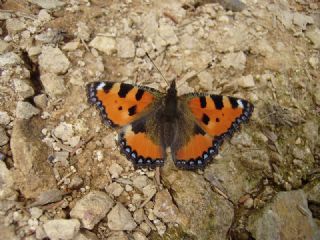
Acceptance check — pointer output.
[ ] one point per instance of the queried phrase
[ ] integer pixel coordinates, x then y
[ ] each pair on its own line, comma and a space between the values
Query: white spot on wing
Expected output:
240, 103
100, 86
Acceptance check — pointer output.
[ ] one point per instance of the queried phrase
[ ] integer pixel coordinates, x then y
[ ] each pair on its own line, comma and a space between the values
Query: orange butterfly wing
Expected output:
124, 105
215, 117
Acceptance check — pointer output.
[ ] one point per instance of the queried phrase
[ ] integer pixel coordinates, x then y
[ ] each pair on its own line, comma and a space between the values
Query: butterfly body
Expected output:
193, 126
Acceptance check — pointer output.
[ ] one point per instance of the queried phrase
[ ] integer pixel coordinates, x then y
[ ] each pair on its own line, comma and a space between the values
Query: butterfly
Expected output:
192, 125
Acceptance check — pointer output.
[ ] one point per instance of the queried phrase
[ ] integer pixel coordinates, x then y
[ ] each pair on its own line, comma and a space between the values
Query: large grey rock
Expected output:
204, 214
23, 89
8, 59
65, 229
120, 219
92, 208
33, 173
53, 84
25, 110
164, 207
15, 25
104, 44
53, 60
48, 4
286, 217
4, 139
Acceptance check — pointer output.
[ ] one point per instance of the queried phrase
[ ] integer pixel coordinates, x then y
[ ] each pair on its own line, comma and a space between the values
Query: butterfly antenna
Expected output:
157, 69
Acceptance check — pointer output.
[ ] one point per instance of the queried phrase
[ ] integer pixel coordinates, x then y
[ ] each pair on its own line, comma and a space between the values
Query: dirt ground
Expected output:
61, 173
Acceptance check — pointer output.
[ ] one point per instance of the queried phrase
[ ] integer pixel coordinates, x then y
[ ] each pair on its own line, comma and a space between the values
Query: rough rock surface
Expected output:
120, 219
62, 228
92, 208
286, 217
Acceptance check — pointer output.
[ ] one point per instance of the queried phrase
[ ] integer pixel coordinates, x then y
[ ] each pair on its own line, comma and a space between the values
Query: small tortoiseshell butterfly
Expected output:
192, 125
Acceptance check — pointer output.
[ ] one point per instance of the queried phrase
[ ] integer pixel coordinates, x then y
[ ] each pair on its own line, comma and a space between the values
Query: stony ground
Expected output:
61, 174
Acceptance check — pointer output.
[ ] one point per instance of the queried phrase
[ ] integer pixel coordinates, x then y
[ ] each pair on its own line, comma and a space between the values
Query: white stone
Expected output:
246, 81
314, 36
71, 46
302, 20
48, 4
115, 170
120, 219
64, 131
92, 208
53, 84
65, 229
104, 44
235, 60
35, 212
314, 62
4, 118
53, 60
167, 33
23, 89
25, 110
9, 58
140, 181
115, 189
15, 25
44, 16
41, 101
126, 48
206, 80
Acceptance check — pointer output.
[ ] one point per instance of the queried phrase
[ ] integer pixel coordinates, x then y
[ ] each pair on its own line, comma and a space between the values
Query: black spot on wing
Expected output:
217, 119
198, 130
124, 89
218, 101
205, 119
203, 102
233, 102
107, 87
120, 108
139, 126
132, 110
139, 94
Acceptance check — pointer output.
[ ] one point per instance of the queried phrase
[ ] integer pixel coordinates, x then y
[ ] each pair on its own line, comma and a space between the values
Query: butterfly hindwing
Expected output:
139, 146
120, 103
216, 117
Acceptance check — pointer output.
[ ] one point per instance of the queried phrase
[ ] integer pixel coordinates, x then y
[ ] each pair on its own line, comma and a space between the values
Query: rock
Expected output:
8, 232
15, 25
46, 197
25, 110
118, 235
4, 118
246, 81
149, 190
312, 191
34, 51
41, 101
53, 60
194, 197
3, 137
233, 5
48, 4
76, 182
83, 31
120, 219
63, 131
62, 228
23, 89
314, 62
35, 212
139, 236
167, 33
33, 173
86, 235
71, 46
9, 59
206, 80
51, 36
140, 181
115, 170
126, 48
314, 36
53, 84
44, 16
286, 217
138, 215
92, 208
235, 60
6, 183
4, 46
115, 189
164, 208
302, 20
104, 44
